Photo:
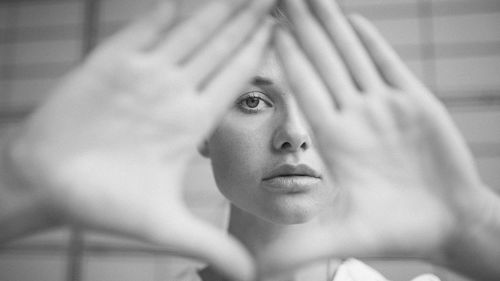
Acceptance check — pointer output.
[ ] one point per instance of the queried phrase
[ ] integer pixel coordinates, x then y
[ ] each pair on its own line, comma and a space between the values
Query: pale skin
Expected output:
138, 107
109, 148
408, 185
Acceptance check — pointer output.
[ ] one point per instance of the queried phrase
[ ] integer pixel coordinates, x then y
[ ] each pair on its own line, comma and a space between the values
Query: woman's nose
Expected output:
292, 135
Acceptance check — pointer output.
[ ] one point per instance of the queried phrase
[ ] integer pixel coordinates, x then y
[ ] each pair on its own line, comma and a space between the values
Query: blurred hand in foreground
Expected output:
407, 185
109, 148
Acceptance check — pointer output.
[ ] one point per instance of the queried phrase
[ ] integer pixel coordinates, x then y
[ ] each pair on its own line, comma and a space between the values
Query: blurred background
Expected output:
452, 45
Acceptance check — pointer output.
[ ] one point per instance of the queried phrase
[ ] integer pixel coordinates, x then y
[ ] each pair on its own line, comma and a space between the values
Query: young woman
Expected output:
397, 177
372, 167
266, 163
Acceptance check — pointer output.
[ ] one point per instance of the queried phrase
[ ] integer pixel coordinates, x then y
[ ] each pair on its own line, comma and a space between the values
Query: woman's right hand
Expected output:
109, 148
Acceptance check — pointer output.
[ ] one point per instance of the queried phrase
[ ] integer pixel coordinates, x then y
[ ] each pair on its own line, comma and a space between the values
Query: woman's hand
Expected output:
407, 185
109, 149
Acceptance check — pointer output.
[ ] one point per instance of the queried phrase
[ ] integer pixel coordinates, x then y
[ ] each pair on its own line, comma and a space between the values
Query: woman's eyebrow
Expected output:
261, 81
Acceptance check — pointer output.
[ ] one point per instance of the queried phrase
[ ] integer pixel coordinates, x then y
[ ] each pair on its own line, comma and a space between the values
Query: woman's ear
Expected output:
203, 149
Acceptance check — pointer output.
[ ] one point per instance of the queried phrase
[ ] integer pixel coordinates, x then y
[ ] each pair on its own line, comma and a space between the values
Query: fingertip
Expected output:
363, 26
360, 20
225, 253
262, 36
267, 29
191, 237
284, 43
269, 21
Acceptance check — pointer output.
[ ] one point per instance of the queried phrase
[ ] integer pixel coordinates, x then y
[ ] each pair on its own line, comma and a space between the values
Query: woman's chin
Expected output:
295, 211
292, 216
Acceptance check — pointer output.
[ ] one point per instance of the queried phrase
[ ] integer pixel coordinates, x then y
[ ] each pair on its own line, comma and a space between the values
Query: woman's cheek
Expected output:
239, 151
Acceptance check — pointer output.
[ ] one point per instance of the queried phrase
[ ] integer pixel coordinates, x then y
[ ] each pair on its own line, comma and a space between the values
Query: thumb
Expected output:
197, 239
318, 243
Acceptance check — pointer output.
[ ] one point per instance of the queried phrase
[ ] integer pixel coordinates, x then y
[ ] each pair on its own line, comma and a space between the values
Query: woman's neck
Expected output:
256, 233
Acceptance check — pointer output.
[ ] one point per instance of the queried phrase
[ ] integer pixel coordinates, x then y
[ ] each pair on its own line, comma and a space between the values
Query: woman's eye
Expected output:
253, 102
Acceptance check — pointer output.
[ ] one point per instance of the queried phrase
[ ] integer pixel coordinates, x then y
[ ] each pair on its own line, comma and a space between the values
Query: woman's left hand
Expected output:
407, 185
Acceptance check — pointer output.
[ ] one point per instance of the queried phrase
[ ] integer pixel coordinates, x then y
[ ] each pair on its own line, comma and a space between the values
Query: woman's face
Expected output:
263, 156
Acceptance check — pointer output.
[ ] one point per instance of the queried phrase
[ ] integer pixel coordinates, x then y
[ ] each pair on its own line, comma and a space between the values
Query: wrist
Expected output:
23, 208
474, 247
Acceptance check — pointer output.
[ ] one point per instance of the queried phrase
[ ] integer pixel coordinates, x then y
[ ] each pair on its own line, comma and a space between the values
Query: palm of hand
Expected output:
402, 170
133, 132
394, 158
109, 149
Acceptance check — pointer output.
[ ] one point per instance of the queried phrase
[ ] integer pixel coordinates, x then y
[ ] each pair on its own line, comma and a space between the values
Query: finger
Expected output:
390, 65
144, 32
312, 95
355, 56
196, 239
184, 38
188, 37
227, 41
322, 53
222, 89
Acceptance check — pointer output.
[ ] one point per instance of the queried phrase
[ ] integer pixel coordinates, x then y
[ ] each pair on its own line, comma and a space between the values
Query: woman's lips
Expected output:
288, 178
290, 183
292, 170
